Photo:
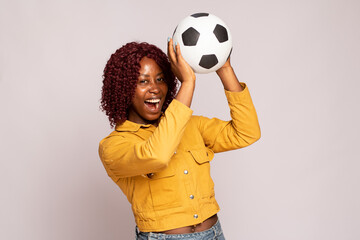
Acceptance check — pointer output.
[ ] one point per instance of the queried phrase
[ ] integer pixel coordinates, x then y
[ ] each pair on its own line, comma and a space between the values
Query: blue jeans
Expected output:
213, 233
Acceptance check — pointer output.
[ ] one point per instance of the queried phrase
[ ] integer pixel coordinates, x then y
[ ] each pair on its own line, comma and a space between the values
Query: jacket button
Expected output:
191, 196
186, 172
196, 216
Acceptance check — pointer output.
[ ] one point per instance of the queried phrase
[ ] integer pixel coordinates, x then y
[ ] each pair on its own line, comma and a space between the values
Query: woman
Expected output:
159, 153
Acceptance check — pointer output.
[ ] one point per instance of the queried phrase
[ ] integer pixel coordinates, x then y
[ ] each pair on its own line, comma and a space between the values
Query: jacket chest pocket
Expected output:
202, 155
164, 189
204, 182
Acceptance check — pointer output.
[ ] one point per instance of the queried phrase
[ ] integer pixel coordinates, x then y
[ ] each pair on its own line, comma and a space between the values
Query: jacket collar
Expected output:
129, 126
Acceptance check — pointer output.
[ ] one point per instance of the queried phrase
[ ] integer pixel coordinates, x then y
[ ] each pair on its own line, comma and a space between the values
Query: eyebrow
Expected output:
146, 75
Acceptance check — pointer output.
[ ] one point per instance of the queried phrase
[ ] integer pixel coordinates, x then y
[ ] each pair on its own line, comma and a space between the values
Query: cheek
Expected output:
139, 92
137, 98
165, 89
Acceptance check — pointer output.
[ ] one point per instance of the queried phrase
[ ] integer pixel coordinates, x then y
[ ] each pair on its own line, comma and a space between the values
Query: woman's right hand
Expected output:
183, 72
179, 66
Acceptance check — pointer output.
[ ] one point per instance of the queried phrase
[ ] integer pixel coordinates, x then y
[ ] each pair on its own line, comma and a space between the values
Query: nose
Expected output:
154, 87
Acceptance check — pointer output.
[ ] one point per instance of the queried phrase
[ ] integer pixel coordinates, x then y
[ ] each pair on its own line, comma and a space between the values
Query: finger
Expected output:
227, 63
171, 53
168, 44
178, 52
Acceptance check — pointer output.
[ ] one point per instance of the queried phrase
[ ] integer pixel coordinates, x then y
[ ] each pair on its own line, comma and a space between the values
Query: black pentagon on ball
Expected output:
221, 33
208, 61
190, 37
196, 15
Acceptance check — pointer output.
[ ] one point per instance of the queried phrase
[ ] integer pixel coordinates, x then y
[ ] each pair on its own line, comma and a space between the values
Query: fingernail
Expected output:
168, 39
175, 43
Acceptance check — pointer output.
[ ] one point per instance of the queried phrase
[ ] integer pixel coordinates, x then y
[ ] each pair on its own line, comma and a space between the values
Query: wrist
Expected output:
186, 92
224, 70
188, 80
188, 84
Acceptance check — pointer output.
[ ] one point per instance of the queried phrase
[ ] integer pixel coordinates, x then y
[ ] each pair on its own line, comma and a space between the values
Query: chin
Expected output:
152, 117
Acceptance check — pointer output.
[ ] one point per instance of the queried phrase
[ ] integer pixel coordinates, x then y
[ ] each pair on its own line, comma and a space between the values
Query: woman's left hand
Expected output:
227, 64
228, 77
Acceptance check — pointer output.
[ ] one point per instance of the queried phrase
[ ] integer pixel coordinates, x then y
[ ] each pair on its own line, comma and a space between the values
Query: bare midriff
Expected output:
208, 223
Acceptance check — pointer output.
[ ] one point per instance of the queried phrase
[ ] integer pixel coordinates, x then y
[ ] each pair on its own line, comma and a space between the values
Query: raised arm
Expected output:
146, 149
243, 129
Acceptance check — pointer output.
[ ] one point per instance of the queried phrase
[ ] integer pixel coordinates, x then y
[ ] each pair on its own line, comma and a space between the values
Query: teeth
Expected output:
153, 101
157, 105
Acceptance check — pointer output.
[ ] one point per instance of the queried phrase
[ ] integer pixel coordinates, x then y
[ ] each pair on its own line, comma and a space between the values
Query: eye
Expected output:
161, 79
143, 81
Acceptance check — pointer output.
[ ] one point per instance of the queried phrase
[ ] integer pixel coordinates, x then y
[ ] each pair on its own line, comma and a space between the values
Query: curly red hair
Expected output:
121, 74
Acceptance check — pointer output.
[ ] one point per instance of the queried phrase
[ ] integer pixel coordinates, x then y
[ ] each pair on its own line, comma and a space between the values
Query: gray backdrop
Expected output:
300, 59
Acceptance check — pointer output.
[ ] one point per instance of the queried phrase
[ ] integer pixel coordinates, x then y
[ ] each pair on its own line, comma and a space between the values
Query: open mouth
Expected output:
153, 104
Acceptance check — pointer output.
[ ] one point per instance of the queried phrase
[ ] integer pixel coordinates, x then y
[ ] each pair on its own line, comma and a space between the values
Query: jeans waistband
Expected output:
215, 230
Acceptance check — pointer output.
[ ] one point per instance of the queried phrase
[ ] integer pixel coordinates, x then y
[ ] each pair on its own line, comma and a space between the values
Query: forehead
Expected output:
148, 65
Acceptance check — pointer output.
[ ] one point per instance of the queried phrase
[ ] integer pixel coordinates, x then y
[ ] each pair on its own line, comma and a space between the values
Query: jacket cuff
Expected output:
179, 108
238, 96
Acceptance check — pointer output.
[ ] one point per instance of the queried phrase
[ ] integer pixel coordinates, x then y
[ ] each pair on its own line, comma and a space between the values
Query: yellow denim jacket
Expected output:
164, 171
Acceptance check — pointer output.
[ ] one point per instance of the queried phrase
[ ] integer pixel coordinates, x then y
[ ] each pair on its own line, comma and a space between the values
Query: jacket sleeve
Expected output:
131, 156
241, 131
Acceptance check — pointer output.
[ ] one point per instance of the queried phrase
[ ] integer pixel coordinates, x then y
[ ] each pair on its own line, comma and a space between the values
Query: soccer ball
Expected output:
205, 41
